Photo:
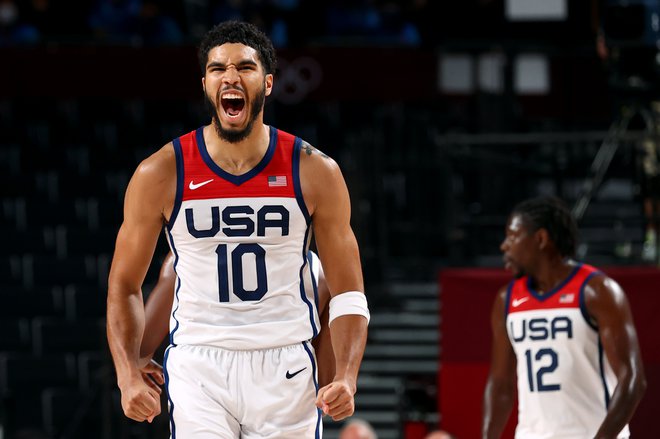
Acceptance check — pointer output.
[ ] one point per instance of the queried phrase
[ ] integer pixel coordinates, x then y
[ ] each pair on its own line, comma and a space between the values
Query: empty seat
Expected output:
22, 378
84, 303
46, 271
82, 186
25, 373
39, 241
40, 212
17, 185
11, 271
58, 336
12, 213
81, 241
10, 159
104, 213
93, 367
14, 335
68, 412
19, 302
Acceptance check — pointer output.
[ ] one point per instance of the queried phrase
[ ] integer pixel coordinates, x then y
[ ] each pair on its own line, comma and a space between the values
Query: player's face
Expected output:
517, 246
236, 88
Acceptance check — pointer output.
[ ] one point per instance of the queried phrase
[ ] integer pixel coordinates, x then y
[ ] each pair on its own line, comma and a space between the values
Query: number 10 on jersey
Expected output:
237, 272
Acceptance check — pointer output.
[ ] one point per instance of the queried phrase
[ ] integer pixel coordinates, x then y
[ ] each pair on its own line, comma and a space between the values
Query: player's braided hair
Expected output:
238, 32
552, 214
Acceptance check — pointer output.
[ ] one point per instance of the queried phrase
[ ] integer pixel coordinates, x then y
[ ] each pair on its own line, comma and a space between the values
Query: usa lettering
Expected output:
541, 329
239, 221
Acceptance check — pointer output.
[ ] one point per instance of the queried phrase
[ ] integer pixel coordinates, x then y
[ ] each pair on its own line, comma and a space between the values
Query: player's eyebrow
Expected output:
241, 63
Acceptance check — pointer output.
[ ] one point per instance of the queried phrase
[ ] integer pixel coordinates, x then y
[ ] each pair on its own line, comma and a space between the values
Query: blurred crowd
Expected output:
289, 23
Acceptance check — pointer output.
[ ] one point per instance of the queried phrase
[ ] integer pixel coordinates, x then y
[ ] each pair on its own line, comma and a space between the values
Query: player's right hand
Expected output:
140, 399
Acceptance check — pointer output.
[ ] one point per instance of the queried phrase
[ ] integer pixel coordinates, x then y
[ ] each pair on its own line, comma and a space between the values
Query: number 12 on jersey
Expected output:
531, 360
237, 272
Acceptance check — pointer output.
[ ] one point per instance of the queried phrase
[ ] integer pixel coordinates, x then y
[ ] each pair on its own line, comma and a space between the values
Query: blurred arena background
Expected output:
442, 115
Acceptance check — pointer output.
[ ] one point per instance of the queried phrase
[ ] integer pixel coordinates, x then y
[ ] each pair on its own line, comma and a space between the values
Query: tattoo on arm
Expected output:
309, 149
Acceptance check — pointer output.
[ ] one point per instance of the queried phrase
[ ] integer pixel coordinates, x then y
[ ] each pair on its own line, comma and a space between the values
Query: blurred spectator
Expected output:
357, 429
289, 23
228, 10
133, 22
13, 29
439, 434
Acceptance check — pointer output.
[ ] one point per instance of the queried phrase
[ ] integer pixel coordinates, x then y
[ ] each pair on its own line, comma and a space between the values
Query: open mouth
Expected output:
233, 104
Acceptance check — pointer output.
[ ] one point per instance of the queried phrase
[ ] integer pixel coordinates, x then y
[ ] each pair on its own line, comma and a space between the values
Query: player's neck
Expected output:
240, 157
551, 273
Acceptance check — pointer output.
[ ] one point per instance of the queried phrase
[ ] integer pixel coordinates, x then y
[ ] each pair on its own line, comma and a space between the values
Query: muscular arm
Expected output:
157, 309
150, 190
327, 199
323, 342
608, 306
500, 387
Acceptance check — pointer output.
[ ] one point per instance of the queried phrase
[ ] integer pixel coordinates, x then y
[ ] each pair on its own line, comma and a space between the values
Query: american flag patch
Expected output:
276, 180
566, 298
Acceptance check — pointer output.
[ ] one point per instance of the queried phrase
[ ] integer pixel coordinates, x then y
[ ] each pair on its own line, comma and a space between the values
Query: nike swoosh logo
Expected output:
517, 302
291, 375
194, 186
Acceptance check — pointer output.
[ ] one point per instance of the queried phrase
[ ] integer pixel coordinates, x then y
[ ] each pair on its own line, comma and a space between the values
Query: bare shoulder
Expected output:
159, 165
153, 185
603, 294
314, 160
602, 286
320, 177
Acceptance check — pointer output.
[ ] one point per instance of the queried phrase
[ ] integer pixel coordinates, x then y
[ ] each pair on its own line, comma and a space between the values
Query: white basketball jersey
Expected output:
565, 381
240, 245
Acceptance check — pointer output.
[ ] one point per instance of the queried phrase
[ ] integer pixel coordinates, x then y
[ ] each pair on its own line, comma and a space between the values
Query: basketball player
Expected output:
237, 200
566, 330
158, 308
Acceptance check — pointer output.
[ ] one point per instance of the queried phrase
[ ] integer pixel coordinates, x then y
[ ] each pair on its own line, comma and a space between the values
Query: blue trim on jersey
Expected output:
583, 304
178, 285
509, 289
295, 171
542, 297
178, 154
315, 287
303, 293
169, 395
236, 179
601, 363
316, 385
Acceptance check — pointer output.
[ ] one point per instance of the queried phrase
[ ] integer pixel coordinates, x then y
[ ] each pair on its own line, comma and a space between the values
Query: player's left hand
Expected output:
152, 373
336, 399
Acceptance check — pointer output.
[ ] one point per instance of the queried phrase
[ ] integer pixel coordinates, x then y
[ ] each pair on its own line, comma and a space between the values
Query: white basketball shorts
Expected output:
221, 394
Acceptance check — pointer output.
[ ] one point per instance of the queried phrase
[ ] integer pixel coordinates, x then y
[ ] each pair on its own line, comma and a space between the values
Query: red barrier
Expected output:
466, 298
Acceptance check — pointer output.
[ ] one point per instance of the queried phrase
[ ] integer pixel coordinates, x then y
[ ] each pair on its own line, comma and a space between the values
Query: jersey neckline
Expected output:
562, 284
236, 179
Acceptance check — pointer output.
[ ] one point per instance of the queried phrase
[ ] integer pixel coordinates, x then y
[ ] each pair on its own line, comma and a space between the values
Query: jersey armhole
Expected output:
507, 299
295, 171
178, 155
583, 303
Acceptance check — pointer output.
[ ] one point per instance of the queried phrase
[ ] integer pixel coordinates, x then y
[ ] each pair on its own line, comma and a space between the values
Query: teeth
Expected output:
231, 96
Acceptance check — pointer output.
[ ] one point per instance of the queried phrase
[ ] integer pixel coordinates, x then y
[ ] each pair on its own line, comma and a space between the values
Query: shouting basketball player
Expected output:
237, 199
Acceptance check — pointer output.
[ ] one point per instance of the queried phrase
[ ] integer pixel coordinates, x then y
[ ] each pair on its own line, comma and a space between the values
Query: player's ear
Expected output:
542, 238
204, 83
268, 83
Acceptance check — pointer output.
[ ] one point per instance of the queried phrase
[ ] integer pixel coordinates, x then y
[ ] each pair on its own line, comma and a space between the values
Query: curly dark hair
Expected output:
238, 32
552, 214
